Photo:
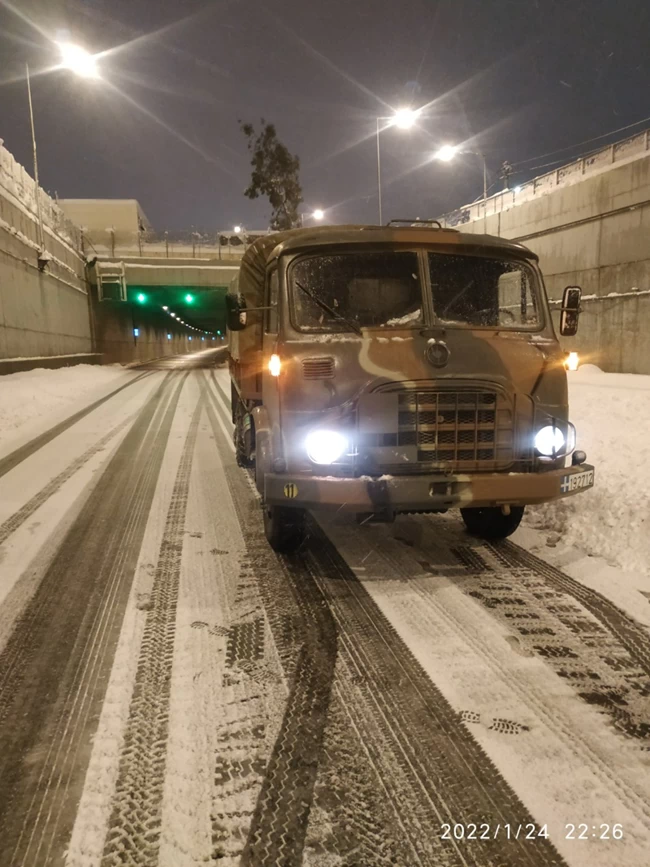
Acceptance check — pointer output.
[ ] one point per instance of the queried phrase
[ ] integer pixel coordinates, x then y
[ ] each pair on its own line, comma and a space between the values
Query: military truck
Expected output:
407, 368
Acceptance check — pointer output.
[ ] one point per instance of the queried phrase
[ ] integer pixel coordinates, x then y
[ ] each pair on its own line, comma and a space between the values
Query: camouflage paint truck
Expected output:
386, 370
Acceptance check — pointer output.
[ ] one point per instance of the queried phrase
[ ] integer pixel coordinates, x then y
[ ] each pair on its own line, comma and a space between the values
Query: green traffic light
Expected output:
189, 298
141, 298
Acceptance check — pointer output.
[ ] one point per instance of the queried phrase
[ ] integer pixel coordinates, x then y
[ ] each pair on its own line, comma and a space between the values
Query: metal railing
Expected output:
590, 164
149, 244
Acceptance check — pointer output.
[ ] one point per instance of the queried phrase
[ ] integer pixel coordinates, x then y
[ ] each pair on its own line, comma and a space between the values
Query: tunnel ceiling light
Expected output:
165, 307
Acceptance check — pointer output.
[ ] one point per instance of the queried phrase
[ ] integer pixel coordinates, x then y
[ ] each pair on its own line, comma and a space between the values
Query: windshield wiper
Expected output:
351, 325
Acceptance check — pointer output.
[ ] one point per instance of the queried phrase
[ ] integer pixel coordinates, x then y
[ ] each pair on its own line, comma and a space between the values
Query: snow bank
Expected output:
31, 395
612, 414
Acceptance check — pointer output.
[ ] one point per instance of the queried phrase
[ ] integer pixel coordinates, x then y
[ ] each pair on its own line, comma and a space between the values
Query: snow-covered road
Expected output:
174, 693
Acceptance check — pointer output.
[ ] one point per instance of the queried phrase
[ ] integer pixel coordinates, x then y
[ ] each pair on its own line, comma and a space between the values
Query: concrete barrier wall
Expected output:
595, 234
46, 313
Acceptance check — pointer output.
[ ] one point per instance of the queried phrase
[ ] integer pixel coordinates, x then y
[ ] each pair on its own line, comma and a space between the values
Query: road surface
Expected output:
174, 693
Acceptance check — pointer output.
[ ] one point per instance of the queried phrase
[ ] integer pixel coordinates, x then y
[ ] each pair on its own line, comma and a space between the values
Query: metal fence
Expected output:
591, 164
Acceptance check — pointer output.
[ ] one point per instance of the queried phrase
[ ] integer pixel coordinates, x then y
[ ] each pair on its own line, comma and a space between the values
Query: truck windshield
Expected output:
484, 293
368, 289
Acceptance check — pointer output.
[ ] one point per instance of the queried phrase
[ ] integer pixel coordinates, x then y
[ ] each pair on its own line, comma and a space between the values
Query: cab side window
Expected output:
272, 292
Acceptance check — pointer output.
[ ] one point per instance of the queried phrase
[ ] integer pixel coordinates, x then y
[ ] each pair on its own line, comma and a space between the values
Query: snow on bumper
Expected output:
426, 492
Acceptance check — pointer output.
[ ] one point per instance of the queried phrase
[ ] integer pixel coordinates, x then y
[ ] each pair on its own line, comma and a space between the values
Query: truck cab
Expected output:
383, 370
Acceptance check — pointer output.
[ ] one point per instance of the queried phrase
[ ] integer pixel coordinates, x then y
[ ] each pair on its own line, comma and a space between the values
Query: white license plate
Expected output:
577, 481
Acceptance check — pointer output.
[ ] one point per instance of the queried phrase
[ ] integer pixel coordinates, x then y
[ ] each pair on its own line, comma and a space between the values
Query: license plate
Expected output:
577, 481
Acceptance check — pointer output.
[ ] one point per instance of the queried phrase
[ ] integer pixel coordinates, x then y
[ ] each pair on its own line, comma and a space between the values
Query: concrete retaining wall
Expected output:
594, 233
41, 313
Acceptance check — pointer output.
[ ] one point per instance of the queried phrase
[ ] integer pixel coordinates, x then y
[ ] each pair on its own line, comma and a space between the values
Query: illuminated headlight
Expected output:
325, 446
549, 441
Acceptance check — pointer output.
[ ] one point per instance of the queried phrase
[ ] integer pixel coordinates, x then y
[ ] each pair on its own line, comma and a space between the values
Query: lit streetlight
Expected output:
82, 63
318, 214
237, 229
78, 60
448, 152
404, 118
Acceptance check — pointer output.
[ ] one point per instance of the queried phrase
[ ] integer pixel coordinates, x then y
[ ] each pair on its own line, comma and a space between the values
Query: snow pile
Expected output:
612, 414
30, 395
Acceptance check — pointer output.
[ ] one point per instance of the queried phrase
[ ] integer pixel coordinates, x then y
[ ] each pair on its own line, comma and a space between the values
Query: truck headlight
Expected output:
549, 441
325, 446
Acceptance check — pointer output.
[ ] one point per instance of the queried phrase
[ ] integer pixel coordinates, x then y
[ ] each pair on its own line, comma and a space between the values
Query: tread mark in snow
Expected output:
76, 610
14, 521
213, 630
404, 737
135, 826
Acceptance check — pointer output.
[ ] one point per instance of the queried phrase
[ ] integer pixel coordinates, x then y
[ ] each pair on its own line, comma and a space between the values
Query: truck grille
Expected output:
471, 430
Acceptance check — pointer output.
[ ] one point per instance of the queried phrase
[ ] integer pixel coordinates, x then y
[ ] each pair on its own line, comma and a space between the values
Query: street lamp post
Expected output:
39, 214
82, 63
403, 119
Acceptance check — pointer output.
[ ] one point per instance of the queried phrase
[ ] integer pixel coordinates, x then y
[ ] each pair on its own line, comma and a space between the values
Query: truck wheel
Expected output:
491, 523
284, 528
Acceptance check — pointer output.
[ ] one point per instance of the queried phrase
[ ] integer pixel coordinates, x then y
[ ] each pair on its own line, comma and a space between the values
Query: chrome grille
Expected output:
318, 368
463, 430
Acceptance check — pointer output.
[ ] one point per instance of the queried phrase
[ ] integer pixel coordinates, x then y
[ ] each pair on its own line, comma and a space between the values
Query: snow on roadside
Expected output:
611, 412
31, 395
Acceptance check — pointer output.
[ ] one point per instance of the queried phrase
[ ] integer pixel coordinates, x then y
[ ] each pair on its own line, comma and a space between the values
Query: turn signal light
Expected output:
572, 361
275, 365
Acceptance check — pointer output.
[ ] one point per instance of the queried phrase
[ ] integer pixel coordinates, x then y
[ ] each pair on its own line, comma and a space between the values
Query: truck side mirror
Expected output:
235, 312
570, 311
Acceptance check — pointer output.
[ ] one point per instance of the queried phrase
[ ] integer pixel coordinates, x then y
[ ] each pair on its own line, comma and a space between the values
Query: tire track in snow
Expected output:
424, 767
134, 830
634, 637
628, 792
305, 637
451, 779
18, 518
54, 665
14, 458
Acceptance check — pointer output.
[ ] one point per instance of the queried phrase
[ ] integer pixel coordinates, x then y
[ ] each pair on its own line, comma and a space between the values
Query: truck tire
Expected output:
284, 528
491, 523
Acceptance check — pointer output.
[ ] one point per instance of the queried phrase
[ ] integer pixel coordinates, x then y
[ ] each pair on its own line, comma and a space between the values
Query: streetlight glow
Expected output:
78, 60
237, 229
318, 214
405, 118
446, 153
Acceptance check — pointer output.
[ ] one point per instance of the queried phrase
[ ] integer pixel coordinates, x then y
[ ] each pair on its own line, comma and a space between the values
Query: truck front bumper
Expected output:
423, 493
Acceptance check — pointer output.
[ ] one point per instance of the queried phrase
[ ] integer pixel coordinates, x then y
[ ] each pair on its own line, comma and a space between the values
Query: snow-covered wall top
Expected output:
632, 148
17, 183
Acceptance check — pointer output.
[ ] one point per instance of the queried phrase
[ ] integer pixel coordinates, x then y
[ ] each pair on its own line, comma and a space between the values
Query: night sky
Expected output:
516, 79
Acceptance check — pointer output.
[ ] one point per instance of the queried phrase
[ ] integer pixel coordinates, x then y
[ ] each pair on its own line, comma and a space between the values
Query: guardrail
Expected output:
148, 244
